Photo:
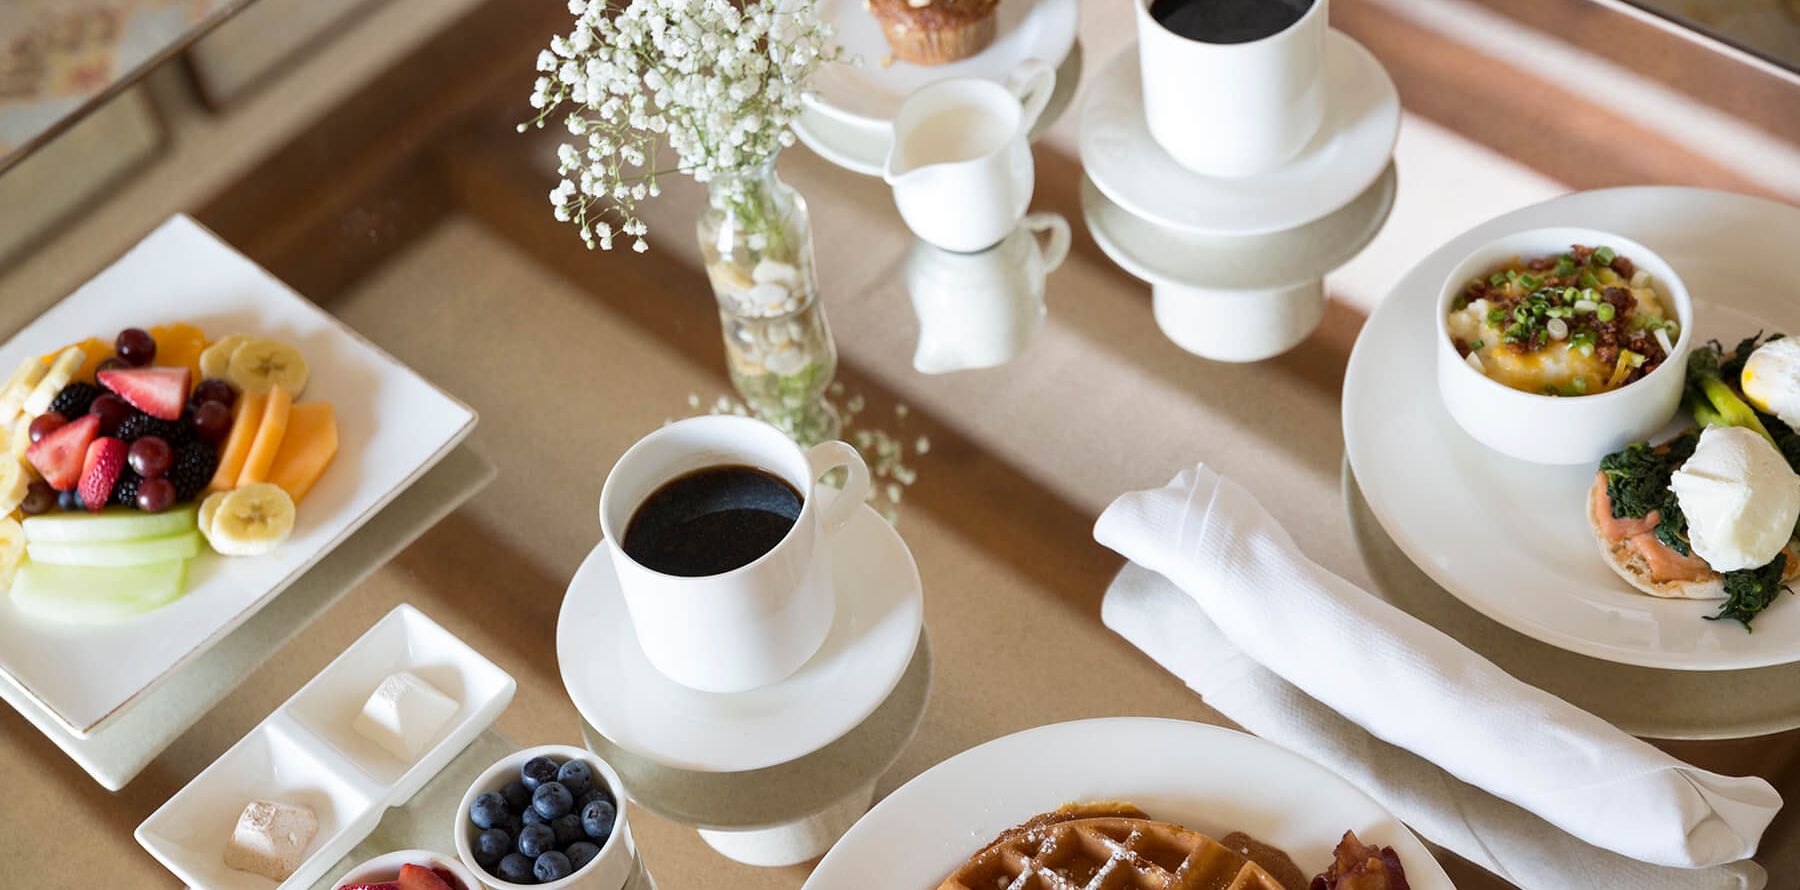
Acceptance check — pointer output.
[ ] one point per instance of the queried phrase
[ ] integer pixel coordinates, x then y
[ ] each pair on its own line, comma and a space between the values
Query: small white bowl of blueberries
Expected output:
551, 817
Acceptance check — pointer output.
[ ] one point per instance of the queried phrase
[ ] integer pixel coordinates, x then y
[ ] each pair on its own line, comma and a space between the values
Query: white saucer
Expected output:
863, 90
1350, 150
1511, 539
880, 610
1208, 778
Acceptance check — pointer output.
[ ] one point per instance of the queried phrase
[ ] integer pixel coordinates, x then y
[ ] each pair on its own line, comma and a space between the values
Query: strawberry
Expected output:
384, 885
58, 457
449, 879
418, 877
158, 392
100, 471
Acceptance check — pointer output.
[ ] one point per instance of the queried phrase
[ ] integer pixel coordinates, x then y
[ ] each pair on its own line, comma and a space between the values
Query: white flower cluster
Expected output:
714, 81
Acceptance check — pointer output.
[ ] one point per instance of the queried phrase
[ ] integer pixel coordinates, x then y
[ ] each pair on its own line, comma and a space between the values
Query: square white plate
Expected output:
393, 425
307, 753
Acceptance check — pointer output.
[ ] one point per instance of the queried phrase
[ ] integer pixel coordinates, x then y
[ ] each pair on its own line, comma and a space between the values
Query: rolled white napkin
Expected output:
1414, 687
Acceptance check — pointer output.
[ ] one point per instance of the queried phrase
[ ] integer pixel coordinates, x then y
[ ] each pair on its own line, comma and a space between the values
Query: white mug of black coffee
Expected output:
1232, 87
721, 546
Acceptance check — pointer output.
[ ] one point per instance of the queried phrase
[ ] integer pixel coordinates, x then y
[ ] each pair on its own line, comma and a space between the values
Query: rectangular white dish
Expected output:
306, 753
393, 426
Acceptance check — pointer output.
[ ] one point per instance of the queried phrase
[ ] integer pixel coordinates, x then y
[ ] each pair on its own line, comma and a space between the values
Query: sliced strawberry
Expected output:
58, 457
449, 879
158, 392
418, 877
100, 471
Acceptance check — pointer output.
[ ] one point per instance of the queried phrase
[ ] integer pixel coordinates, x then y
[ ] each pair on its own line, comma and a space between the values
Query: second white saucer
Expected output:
1350, 150
880, 610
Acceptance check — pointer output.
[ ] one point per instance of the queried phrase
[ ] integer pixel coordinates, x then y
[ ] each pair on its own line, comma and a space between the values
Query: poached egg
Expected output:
1771, 379
1740, 496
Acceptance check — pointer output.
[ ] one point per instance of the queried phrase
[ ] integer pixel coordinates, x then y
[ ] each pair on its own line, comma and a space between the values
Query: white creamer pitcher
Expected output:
960, 163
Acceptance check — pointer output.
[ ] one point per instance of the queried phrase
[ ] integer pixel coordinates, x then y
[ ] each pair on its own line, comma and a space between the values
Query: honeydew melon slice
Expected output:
111, 524
116, 553
87, 595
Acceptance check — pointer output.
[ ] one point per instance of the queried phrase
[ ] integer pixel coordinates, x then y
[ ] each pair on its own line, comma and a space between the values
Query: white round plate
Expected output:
1349, 151
879, 612
1511, 539
1207, 778
864, 90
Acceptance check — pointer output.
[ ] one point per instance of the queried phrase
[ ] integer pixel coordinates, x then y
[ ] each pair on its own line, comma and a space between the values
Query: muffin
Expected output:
932, 32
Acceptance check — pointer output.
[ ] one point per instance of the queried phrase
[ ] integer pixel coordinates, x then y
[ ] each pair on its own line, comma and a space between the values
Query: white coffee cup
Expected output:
960, 163
980, 310
756, 624
1234, 109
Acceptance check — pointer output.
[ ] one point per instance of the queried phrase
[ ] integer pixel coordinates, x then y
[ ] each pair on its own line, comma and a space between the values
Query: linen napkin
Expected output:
1411, 686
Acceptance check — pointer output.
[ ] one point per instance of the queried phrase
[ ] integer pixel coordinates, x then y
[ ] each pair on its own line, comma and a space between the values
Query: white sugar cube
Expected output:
271, 839
404, 714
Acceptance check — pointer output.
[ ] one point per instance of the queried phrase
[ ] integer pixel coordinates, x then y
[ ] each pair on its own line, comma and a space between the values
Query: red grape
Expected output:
136, 347
150, 457
155, 495
40, 498
212, 389
112, 411
212, 420
45, 424
112, 364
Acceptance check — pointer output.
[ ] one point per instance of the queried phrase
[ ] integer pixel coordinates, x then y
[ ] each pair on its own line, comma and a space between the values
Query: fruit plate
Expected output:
307, 753
394, 425
1210, 779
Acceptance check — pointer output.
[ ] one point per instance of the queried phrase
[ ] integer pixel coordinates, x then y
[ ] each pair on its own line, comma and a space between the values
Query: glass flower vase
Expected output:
756, 241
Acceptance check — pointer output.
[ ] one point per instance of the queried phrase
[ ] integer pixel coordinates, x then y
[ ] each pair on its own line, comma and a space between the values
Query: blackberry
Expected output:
124, 493
74, 400
193, 468
175, 432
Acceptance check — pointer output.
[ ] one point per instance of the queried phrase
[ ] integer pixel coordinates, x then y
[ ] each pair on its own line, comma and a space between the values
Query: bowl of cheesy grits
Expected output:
1561, 345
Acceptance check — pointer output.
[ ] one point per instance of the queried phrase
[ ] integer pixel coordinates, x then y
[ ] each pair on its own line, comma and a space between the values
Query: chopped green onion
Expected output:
1636, 360
1662, 339
1495, 316
1530, 282
1640, 278
1512, 275
1496, 279
1570, 294
1604, 256
1559, 329
1477, 345
1579, 384
1565, 266
1587, 279
1585, 306
1605, 312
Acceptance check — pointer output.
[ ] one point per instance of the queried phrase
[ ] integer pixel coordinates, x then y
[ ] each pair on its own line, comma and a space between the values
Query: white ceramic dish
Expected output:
1549, 429
306, 753
1533, 565
1348, 152
387, 866
880, 609
607, 871
863, 90
1207, 778
394, 425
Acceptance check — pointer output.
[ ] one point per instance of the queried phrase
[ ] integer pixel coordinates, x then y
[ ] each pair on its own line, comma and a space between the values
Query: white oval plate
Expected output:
1511, 539
1350, 150
871, 93
880, 610
1208, 778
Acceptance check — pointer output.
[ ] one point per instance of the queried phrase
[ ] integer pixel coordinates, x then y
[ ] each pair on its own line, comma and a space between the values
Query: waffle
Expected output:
1107, 847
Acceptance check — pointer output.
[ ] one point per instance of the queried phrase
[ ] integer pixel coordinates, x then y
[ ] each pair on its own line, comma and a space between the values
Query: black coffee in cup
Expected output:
711, 521
1228, 21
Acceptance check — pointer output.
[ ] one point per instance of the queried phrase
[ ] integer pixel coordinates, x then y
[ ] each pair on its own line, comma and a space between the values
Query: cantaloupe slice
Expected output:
268, 438
96, 351
179, 345
307, 448
250, 407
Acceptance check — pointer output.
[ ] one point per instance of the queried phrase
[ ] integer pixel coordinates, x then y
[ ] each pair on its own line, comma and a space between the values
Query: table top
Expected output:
385, 182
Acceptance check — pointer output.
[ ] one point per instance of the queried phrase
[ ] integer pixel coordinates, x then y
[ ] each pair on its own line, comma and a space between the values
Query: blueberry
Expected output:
598, 792
576, 776
533, 817
536, 840
537, 771
581, 853
516, 869
489, 810
551, 799
491, 846
518, 797
597, 819
568, 829
552, 866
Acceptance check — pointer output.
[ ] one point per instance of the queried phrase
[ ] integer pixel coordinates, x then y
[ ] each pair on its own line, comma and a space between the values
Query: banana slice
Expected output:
208, 509
12, 550
14, 482
61, 370
19, 385
252, 520
261, 364
215, 360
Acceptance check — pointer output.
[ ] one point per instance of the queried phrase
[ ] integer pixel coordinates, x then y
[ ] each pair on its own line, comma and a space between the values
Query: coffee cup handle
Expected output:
827, 456
1056, 246
1033, 82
